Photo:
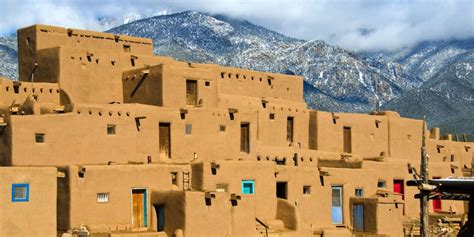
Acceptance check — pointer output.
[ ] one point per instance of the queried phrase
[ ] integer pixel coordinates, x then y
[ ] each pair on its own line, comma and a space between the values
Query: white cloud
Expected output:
354, 24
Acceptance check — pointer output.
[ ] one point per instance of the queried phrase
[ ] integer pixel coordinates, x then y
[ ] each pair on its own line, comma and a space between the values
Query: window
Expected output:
102, 197
245, 137
207, 83
222, 128
126, 48
359, 192
174, 178
337, 205
248, 187
188, 129
110, 129
381, 184
289, 129
221, 188
39, 137
307, 190
20, 192
191, 92
272, 116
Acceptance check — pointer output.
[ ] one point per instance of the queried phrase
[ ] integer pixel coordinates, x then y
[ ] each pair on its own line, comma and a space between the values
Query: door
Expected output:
191, 92
337, 204
245, 137
347, 140
358, 217
437, 201
139, 218
165, 140
282, 190
398, 187
289, 129
160, 216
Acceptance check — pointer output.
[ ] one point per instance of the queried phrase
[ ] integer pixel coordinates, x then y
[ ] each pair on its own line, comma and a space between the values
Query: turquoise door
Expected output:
358, 217
337, 204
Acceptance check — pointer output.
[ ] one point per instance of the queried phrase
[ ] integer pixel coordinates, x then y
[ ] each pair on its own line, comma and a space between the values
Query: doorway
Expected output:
139, 206
244, 137
347, 140
282, 190
337, 204
165, 140
358, 217
191, 92
160, 217
289, 129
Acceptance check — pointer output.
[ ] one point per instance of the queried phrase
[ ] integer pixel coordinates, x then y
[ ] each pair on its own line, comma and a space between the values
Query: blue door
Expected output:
358, 217
160, 215
337, 204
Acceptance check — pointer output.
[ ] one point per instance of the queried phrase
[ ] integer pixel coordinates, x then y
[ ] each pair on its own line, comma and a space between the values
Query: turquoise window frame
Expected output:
245, 189
26, 198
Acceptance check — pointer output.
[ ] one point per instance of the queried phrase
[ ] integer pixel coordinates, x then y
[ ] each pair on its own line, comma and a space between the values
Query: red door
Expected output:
398, 187
437, 201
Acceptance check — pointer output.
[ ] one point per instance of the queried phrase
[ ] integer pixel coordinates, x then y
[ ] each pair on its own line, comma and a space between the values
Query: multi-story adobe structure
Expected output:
101, 136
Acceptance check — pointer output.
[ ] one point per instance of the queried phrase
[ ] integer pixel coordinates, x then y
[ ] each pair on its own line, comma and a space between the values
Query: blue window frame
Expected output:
20, 192
248, 186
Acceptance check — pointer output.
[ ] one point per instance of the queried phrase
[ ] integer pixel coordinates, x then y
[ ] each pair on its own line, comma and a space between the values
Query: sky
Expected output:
352, 24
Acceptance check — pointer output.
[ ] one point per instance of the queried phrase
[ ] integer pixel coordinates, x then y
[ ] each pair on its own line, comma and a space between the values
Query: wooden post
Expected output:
424, 194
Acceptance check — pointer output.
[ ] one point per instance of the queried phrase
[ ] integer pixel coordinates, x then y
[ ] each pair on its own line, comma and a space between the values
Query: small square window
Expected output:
110, 129
188, 129
207, 83
248, 187
307, 190
222, 128
272, 116
102, 197
381, 184
174, 178
39, 137
359, 192
20, 192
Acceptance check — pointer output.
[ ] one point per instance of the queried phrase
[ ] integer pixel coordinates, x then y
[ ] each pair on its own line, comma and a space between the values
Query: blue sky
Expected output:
353, 24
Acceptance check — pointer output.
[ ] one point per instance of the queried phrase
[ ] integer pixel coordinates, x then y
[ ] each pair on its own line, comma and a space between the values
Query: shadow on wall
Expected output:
287, 212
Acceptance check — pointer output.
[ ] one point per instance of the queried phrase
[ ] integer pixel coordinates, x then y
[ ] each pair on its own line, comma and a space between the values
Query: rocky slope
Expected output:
8, 57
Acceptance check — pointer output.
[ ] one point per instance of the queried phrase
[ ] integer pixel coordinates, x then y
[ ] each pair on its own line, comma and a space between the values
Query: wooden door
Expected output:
398, 187
191, 92
289, 129
165, 140
139, 208
347, 140
244, 138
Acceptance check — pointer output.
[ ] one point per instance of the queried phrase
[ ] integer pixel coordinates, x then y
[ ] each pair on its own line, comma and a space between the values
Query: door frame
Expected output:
341, 197
145, 213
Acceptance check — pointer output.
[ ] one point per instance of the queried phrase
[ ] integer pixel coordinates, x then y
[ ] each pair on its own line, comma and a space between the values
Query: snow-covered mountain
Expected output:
8, 57
422, 80
447, 100
337, 79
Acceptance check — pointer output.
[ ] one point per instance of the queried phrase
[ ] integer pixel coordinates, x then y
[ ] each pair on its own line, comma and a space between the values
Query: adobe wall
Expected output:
118, 181
37, 37
262, 173
12, 92
17, 218
369, 133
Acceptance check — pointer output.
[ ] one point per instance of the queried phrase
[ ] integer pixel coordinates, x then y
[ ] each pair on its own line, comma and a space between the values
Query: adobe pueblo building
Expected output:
100, 137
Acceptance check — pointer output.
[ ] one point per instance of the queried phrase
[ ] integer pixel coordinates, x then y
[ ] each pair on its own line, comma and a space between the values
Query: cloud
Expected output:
354, 24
